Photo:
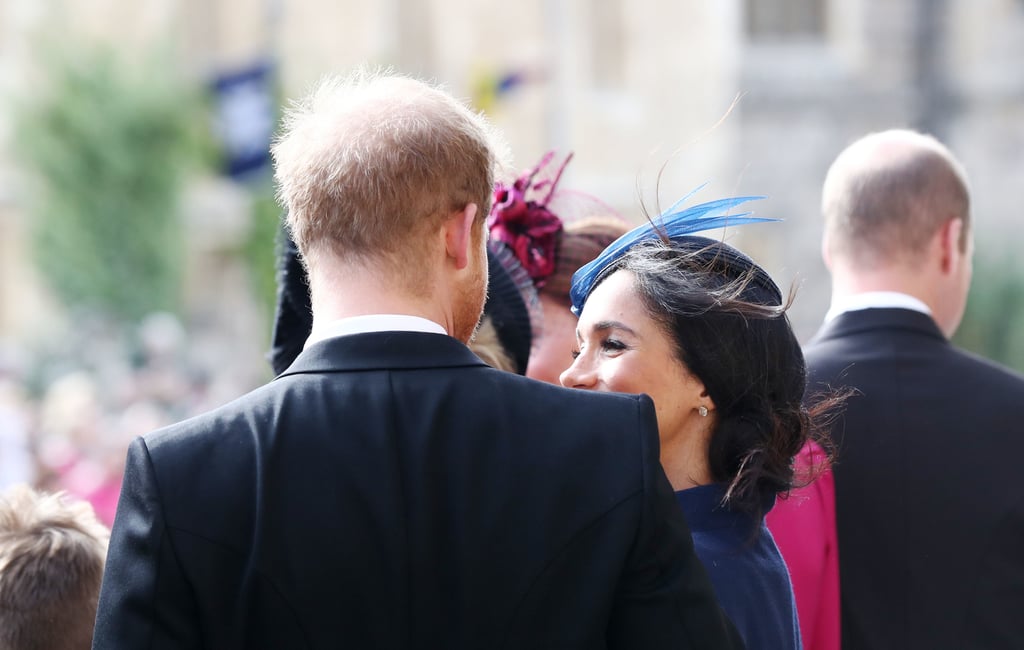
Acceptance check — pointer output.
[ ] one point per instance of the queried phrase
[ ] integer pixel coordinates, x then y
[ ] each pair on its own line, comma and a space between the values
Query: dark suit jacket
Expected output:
929, 489
391, 491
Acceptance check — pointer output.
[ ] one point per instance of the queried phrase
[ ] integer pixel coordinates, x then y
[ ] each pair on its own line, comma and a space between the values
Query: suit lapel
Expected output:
383, 351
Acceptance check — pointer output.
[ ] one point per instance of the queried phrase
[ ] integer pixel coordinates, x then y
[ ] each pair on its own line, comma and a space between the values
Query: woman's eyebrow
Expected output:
605, 325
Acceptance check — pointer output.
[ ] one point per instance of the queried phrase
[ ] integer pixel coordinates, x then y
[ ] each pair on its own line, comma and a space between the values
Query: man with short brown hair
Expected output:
390, 490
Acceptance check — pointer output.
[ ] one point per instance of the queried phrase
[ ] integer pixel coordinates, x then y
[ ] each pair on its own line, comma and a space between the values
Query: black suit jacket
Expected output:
929, 490
391, 491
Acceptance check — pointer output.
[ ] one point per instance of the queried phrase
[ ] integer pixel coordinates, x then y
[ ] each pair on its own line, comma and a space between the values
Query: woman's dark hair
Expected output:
293, 314
728, 322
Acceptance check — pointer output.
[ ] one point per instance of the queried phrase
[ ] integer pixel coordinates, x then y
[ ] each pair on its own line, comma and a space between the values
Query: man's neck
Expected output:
328, 311
348, 293
856, 289
848, 284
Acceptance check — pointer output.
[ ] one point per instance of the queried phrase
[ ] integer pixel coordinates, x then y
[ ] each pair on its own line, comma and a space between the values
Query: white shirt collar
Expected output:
373, 323
875, 300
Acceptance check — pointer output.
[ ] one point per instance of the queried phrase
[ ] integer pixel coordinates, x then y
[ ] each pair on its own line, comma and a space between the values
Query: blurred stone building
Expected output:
640, 90
818, 74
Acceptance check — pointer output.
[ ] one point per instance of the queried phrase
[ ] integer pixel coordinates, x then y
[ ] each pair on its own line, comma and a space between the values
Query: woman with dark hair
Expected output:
702, 329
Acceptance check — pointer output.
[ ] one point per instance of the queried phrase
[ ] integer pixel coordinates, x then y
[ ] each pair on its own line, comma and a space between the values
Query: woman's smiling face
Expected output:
621, 348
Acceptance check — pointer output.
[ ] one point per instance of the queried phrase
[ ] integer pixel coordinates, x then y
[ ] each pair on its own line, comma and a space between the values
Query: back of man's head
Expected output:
368, 164
887, 195
52, 552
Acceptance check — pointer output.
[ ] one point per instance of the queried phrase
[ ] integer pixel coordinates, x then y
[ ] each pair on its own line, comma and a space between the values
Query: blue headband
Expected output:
671, 224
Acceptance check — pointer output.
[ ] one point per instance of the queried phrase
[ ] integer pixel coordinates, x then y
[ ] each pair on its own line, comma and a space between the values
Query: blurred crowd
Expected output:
68, 411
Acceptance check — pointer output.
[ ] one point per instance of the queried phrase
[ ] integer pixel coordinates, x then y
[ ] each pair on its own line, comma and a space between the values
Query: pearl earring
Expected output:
702, 410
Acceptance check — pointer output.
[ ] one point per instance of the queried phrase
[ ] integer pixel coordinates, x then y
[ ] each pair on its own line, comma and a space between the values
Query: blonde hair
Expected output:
368, 164
52, 552
488, 347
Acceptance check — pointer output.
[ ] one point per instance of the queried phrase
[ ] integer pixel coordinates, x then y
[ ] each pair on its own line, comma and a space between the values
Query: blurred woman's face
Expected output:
552, 348
622, 349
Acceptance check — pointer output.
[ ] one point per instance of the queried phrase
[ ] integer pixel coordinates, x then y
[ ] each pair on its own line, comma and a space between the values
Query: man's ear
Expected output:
952, 256
826, 252
458, 235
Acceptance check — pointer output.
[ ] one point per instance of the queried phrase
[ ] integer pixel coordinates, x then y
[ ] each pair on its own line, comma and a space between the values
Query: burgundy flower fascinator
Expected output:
521, 219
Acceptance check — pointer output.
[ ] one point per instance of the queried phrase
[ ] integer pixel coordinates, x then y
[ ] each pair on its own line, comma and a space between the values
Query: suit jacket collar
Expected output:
875, 319
383, 351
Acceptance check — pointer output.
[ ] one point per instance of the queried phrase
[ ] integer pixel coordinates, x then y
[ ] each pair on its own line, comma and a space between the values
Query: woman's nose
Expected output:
578, 375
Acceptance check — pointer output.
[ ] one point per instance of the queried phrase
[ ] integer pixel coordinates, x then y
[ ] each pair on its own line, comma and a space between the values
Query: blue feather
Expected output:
686, 197
672, 223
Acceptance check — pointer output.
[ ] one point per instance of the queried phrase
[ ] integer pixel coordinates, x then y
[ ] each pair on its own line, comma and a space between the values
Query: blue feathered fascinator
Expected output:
671, 224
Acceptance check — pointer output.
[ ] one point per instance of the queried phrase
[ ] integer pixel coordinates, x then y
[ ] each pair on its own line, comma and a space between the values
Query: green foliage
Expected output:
109, 141
260, 250
993, 324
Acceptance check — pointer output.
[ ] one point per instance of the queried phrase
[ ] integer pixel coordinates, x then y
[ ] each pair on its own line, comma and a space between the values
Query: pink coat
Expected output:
804, 527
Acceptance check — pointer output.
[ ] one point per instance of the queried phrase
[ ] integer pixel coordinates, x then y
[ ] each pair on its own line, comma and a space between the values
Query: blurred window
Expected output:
774, 20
